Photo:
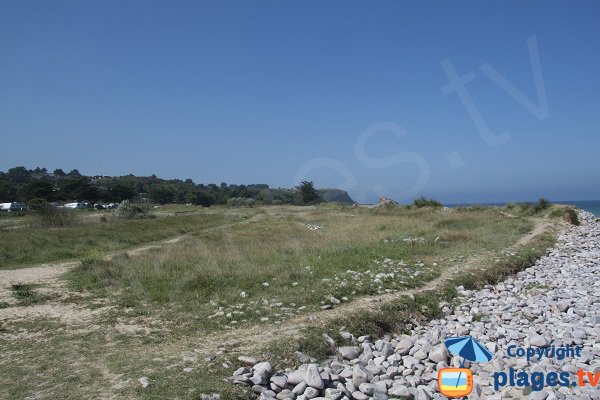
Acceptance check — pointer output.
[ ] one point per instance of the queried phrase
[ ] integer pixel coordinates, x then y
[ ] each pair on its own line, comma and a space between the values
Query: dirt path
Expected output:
252, 339
48, 275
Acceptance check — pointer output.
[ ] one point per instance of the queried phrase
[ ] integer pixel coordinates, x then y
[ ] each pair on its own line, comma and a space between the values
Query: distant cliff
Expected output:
336, 195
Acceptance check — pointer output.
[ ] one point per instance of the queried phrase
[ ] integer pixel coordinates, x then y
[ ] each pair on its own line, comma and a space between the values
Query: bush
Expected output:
128, 210
571, 216
541, 205
425, 202
240, 202
49, 216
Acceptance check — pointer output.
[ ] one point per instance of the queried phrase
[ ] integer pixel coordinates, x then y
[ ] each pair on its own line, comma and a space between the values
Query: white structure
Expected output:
75, 205
14, 206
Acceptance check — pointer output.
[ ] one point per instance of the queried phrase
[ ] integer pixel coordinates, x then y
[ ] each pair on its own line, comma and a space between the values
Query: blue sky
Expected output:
275, 91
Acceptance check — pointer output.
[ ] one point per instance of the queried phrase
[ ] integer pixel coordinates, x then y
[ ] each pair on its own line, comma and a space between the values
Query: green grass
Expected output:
31, 245
399, 316
213, 268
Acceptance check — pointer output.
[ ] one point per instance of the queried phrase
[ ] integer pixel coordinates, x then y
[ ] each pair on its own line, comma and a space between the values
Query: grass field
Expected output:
181, 313
32, 244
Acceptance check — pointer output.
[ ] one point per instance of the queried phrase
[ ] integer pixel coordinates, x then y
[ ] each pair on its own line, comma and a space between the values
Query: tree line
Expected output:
22, 184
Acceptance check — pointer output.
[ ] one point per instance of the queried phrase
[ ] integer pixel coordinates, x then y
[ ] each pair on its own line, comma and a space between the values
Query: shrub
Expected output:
571, 216
49, 216
240, 202
26, 294
425, 202
568, 213
128, 210
541, 205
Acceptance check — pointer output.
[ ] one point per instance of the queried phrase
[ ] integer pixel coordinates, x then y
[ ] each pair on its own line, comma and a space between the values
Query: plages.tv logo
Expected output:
458, 382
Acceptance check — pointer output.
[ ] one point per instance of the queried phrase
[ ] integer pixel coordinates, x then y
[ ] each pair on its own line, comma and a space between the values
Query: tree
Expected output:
79, 188
162, 194
7, 190
37, 188
18, 174
121, 192
200, 199
59, 172
308, 193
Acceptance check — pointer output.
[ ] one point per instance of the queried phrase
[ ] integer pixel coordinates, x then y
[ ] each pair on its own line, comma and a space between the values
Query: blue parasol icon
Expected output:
469, 349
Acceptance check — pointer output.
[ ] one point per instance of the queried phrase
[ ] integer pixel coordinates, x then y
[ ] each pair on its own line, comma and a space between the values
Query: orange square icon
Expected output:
455, 382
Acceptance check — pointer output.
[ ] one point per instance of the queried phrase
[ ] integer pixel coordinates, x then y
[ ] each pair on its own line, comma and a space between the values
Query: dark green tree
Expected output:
121, 192
308, 193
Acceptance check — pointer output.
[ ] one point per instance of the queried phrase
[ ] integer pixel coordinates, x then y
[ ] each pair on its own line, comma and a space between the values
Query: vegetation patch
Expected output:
425, 202
403, 314
26, 294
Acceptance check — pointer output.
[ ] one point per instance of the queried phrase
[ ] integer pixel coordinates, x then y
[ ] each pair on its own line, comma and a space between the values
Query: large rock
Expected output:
251, 361
313, 377
438, 354
360, 375
349, 352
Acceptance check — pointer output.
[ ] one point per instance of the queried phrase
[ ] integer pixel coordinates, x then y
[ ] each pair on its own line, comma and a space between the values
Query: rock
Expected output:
263, 368
247, 360
349, 352
299, 388
286, 395
422, 394
541, 395
403, 347
399, 391
538, 341
438, 354
387, 350
333, 394
359, 396
295, 378
311, 393
420, 355
144, 381
367, 388
279, 380
313, 377
360, 375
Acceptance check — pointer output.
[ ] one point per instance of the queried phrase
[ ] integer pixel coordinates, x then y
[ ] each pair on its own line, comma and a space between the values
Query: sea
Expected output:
592, 206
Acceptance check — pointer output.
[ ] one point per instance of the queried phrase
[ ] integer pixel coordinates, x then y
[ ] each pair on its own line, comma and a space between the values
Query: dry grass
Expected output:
156, 308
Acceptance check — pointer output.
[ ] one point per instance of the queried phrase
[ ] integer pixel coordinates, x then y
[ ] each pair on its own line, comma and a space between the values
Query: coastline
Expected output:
554, 312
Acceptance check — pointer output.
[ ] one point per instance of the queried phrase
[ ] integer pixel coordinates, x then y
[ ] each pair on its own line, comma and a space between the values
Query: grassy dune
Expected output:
157, 313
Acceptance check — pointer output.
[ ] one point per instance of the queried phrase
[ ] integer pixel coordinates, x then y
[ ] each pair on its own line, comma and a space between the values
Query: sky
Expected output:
464, 101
